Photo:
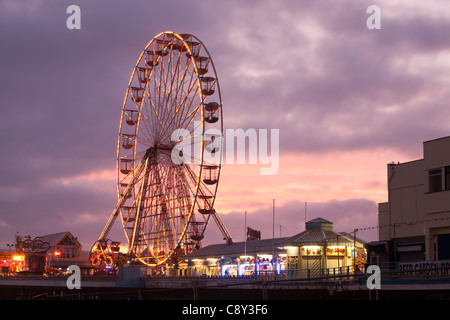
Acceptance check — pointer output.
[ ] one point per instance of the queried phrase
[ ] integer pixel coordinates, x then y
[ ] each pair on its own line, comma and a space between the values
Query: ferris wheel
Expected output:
169, 153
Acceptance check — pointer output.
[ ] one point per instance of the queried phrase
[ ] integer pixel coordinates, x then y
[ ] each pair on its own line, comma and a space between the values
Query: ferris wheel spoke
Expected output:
172, 208
173, 82
190, 89
184, 102
183, 211
181, 82
143, 191
190, 107
161, 113
182, 85
163, 221
193, 177
168, 85
176, 123
144, 140
175, 114
189, 183
147, 122
151, 122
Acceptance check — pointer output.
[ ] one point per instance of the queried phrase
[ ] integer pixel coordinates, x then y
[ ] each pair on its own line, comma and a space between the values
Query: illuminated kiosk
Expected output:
321, 251
314, 252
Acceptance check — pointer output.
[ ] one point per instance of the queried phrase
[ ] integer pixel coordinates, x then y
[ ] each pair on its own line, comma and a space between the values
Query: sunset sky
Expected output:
347, 101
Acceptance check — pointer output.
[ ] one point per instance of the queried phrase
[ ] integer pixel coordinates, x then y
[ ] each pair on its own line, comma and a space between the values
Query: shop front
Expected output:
331, 259
249, 265
203, 267
237, 266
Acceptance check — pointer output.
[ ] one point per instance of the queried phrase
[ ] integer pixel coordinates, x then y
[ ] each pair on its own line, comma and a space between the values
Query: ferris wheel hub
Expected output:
164, 147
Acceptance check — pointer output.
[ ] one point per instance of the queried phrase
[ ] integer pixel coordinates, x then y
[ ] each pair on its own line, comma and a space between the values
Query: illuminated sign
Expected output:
335, 250
212, 262
33, 246
426, 268
311, 250
198, 262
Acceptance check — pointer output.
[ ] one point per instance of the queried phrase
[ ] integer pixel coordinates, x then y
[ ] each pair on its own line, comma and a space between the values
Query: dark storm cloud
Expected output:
62, 90
53, 207
361, 74
61, 98
60, 111
55, 102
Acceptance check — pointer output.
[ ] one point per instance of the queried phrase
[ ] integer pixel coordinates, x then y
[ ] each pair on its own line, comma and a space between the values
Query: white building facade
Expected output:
416, 218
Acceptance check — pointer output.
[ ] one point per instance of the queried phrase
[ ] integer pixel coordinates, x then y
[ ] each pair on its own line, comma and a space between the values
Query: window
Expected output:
447, 178
443, 244
435, 180
67, 241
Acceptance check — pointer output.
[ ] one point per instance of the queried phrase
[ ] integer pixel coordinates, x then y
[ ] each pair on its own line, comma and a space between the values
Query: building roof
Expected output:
319, 220
239, 248
319, 224
441, 138
353, 237
320, 231
319, 237
55, 238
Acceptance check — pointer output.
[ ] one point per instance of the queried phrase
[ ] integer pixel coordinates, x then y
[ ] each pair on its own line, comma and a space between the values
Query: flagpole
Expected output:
306, 203
273, 229
245, 234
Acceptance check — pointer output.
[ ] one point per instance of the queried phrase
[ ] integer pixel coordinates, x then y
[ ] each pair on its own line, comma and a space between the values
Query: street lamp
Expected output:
10, 245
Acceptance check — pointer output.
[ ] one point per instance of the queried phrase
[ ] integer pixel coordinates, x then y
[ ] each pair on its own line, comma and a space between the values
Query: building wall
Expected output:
405, 201
437, 204
383, 221
416, 208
